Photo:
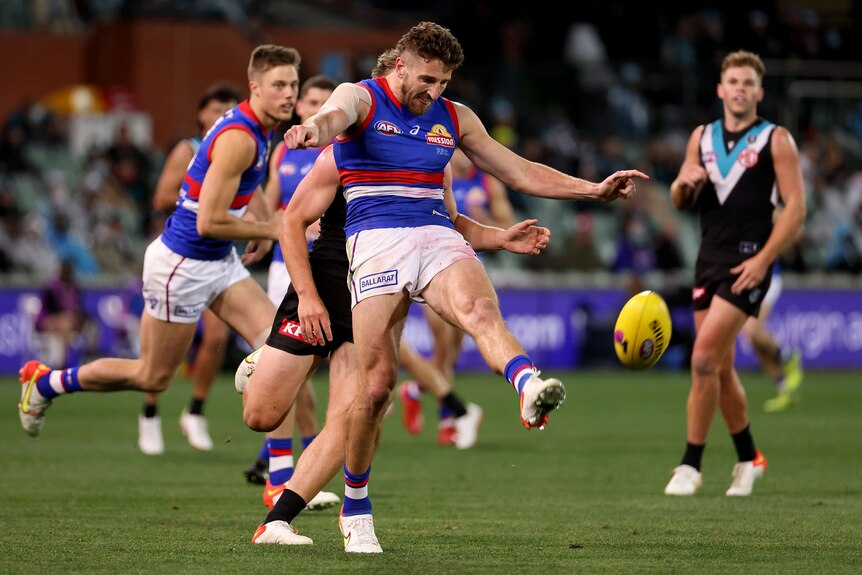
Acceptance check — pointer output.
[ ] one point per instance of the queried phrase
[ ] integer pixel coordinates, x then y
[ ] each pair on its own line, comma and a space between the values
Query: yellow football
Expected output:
643, 330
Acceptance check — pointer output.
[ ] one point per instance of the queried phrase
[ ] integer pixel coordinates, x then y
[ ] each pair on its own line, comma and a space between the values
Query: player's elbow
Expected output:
205, 227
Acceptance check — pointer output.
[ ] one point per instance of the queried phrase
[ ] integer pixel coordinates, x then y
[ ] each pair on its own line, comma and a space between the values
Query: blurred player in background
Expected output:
781, 363
194, 265
209, 356
735, 169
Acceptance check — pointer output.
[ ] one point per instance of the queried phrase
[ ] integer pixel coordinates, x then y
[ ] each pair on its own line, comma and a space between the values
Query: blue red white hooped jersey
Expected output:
293, 165
391, 166
181, 233
472, 191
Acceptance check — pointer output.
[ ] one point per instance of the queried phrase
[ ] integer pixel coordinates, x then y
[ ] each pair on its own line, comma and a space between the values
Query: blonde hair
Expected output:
269, 56
742, 58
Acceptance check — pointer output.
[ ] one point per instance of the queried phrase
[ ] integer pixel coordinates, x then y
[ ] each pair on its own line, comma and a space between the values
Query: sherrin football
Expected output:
642, 331
246, 370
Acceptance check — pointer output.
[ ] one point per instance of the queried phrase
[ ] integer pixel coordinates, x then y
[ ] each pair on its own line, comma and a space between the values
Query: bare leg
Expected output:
306, 410
210, 355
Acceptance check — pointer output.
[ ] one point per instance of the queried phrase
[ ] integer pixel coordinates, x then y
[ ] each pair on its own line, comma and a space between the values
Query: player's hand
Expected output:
526, 238
751, 273
301, 136
255, 250
692, 176
619, 185
314, 320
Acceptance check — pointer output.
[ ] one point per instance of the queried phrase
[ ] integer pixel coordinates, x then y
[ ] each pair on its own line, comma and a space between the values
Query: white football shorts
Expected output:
178, 289
277, 282
389, 260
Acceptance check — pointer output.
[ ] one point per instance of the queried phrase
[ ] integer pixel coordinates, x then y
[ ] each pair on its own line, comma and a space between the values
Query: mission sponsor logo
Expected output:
287, 169
379, 280
387, 128
707, 157
440, 136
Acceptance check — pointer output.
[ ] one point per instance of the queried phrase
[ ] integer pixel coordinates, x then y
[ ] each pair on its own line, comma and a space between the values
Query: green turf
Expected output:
583, 496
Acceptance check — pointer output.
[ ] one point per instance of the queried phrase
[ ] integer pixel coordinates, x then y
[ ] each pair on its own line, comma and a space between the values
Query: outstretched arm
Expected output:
313, 196
522, 238
347, 105
531, 177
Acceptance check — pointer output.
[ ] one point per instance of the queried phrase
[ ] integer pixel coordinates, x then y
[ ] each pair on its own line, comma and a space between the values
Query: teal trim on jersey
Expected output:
723, 159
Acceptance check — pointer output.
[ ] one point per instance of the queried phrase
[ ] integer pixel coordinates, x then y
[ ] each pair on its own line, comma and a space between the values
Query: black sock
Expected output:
693, 455
150, 410
196, 407
454, 403
744, 444
287, 507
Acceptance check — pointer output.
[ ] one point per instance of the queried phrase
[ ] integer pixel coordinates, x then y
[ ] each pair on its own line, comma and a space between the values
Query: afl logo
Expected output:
287, 169
387, 128
748, 157
646, 349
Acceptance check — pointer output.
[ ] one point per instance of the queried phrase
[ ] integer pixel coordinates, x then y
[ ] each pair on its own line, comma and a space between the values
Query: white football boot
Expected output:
150, 440
538, 398
686, 480
323, 500
194, 427
358, 533
280, 533
467, 427
745, 473
31, 408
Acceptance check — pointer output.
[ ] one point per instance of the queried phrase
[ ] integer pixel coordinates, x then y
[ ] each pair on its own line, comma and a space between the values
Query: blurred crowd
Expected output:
562, 93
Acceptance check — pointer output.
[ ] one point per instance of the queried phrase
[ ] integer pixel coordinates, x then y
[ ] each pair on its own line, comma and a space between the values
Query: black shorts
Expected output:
332, 288
711, 279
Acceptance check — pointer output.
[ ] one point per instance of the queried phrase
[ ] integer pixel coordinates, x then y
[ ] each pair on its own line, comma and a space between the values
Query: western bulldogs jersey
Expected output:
391, 166
292, 167
471, 191
737, 201
181, 234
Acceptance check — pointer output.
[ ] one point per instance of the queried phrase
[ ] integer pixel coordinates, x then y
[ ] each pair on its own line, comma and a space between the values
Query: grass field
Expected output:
583, 496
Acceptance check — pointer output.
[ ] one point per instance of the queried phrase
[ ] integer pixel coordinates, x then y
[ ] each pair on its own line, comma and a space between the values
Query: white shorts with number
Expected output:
178, 289
277, 282
389, 260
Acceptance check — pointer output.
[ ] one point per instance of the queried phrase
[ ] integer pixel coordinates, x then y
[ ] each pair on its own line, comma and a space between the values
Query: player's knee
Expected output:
480, 315
151, 380
260, 420
215, 338
704, 362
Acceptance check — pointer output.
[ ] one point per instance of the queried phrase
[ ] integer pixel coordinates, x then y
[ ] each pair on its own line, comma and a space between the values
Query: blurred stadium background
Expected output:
96, 92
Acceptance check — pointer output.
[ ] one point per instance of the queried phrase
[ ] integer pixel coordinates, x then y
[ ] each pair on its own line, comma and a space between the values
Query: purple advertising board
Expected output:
560, 329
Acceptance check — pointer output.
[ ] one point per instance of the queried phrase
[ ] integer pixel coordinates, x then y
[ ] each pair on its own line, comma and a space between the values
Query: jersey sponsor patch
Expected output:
440, 136
192, 310
378, 280
292, 329
698, 293
749, 157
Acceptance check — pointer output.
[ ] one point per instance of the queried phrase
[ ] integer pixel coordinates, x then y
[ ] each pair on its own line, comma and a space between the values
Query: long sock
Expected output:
693, 455
306, 441
150, 410
454, 403
518, 371
287, 507
196, 406
280, 460
356, 501
263, 454
58, 382
744, 444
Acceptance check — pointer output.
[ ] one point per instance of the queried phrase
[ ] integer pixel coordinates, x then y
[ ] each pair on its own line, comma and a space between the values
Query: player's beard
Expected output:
414, 104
